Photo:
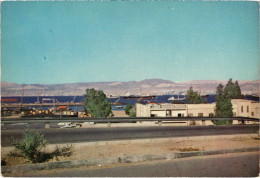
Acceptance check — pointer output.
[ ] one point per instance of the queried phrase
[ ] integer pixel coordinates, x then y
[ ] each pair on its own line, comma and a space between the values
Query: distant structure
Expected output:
241, 108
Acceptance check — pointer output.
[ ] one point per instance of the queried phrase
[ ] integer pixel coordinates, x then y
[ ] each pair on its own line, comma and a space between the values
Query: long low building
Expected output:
241, 107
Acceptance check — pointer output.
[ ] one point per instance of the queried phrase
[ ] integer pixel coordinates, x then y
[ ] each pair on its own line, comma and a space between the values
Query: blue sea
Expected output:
121, 100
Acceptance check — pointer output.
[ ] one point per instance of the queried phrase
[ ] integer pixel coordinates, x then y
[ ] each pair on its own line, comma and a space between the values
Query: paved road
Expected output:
75, 135
228, 165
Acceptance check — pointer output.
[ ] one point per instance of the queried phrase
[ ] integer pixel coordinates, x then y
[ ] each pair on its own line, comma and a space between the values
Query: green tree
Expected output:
132, 112
223, 98
96, 103
127, 109
193, 97
232, 90
223, 104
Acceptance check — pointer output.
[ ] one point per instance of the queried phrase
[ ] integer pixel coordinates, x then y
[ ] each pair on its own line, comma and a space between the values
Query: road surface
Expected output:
226, 165
76, 135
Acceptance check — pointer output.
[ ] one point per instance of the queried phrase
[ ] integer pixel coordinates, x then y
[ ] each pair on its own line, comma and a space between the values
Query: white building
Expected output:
241, 107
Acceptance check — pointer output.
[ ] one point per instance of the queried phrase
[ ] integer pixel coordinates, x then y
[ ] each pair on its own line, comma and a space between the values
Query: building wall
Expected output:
142, 110
178, 113
158, 113
255, 110
241, 107
202, 110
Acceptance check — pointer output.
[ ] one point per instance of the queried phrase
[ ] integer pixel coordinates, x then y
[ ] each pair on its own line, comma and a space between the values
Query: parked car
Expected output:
70, 125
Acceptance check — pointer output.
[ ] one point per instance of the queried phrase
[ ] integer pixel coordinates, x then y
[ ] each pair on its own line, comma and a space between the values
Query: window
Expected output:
252, 113
211, 115
153, 115
247, 109
200, 114
168, 113
241, 109
179, 114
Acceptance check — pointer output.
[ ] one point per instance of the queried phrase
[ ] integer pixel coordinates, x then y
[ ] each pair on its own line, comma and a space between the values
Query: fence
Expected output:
120, 119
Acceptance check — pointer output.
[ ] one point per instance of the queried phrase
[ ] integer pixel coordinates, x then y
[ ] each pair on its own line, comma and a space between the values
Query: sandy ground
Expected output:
84, 152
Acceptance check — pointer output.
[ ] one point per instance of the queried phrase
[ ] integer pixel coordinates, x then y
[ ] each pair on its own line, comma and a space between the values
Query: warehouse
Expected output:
241, 107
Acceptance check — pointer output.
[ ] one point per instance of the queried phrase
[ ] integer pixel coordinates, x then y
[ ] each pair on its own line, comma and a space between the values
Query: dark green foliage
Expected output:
177, 102
232, 90
132, 112
96, 103
223, 103
31, 146
193, 97
127, 109
223, 100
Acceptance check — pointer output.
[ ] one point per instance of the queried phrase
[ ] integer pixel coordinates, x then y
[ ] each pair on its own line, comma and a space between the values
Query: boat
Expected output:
203, 94
175, 99
171, 98
139, 97
111, 96
9, 100
119, 107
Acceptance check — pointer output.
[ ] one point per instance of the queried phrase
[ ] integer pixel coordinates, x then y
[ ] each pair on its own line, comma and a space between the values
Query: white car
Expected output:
70, 125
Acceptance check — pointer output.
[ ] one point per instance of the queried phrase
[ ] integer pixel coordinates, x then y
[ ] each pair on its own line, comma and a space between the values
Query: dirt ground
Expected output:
84, 152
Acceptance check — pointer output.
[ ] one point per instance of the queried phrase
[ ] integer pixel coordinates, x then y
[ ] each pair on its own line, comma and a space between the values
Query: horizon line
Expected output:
126, 81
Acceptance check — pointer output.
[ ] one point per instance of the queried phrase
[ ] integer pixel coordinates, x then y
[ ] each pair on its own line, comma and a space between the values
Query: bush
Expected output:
132, 112
128, 108
31, 146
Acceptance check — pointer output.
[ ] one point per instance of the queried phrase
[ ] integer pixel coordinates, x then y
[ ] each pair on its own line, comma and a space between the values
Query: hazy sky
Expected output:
67, 42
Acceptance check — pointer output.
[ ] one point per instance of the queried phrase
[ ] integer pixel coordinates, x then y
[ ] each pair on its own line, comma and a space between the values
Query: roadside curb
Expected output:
123, 159
151, 140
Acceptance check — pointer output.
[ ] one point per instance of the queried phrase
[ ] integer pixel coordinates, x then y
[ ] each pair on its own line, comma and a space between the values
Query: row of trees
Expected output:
223, 99
97, 104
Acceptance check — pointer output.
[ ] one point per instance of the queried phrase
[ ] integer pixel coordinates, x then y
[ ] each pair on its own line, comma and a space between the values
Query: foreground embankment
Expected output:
128, 151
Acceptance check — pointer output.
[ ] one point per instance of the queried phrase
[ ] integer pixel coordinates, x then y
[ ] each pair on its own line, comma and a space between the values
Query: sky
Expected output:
68, 42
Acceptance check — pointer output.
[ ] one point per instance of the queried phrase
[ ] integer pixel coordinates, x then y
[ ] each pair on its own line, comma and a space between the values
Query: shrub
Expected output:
31, 146
128, 108
132, 112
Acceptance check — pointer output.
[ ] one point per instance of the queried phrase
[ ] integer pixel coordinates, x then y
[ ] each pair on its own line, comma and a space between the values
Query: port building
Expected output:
241, 107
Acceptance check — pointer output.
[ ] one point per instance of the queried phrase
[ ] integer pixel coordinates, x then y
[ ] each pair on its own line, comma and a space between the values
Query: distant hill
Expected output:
144, 87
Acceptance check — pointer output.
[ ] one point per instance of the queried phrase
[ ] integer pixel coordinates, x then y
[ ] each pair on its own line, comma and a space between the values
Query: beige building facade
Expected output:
241, 107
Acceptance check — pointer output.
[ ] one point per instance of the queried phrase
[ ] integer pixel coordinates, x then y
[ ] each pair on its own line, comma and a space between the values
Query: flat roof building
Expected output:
241, 107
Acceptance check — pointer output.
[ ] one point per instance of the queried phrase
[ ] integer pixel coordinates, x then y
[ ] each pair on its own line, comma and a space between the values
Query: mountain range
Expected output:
144, 87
